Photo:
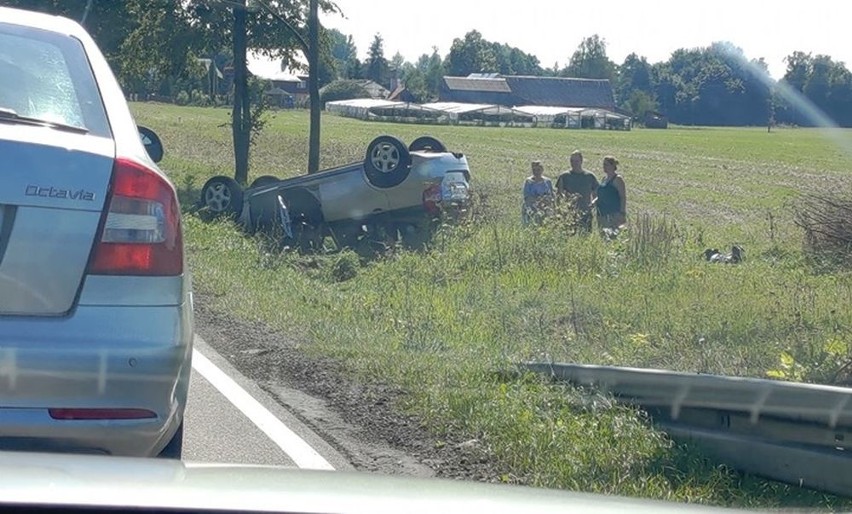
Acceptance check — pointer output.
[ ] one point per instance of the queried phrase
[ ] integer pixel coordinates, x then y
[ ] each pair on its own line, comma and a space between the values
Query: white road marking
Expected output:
294, 446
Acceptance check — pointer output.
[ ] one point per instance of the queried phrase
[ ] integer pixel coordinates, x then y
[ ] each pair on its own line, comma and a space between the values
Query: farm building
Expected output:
526, 90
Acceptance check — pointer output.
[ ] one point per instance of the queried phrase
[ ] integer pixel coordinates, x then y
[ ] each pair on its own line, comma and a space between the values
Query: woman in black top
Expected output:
612, 199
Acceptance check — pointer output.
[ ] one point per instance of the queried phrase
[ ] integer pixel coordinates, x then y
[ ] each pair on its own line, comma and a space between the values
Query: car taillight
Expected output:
431, 198
141, 234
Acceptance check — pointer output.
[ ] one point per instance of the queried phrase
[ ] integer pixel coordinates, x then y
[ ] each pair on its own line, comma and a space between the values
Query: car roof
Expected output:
49, 22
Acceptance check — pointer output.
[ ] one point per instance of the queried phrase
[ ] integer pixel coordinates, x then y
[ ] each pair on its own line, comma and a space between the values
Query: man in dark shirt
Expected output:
580, 188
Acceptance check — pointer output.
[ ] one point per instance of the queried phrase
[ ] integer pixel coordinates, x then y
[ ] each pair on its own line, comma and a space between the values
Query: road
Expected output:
229, 419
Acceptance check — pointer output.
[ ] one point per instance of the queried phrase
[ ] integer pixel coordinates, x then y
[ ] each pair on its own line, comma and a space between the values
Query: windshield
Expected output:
47, 77
600, 247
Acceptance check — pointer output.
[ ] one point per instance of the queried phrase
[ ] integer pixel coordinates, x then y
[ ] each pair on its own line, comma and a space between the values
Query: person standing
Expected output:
612, 197
580, 188
538, 193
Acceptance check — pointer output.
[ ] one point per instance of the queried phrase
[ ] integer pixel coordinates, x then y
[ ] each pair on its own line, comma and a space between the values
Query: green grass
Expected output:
447, 324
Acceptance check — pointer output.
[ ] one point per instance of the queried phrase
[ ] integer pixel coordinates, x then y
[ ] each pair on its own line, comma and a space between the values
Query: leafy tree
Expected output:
397, 62
162, 40
554, 71
590, 60
277, 29
798, 69
634, 75
513, 61
817, 85
640, 102
376, 67
471, 55
716, 85
344, 53
825, 83
109, 22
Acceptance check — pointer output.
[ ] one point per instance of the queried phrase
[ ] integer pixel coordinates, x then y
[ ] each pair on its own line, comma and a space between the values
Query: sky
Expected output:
552, 29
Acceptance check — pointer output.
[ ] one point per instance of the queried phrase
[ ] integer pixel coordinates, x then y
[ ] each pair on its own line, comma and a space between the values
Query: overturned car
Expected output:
396, 192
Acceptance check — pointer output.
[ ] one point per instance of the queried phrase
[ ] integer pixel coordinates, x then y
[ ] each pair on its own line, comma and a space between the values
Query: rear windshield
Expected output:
47, 76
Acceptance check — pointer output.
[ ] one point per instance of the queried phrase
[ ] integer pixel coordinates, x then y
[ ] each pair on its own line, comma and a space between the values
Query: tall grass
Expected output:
448, 324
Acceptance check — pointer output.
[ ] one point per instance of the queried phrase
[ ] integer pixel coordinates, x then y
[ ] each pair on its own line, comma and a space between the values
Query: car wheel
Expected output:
222, 196
264, 180
427, 143
387, 163
174, 450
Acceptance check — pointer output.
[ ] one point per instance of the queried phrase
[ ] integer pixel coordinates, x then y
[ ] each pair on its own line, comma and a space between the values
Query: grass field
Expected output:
445, 324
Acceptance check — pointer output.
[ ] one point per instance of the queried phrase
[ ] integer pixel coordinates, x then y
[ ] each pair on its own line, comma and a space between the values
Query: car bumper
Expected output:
101, 357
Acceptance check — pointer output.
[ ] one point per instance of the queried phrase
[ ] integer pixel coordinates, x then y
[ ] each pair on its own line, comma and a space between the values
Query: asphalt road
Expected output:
230, 419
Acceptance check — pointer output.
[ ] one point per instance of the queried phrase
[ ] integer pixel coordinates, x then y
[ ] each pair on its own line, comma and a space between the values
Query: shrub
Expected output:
182, 98
199, 98
826, 219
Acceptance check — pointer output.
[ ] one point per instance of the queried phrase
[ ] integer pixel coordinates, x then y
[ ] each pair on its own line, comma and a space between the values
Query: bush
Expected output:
199, 98
826, 219
182, 98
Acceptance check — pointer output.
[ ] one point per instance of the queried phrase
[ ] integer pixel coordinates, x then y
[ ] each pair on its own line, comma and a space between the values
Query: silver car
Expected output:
395, 190
95, 303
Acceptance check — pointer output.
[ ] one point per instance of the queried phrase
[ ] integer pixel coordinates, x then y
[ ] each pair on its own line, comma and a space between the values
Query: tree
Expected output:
640, 102
109, 23
799, 66
590, 60
159, 46
396, 69
823, 82
376, 66
634, 75
276, 29
513, 61
416, 77
433, 71
817, 85
344, 53
471, 55
397, 62
715, 85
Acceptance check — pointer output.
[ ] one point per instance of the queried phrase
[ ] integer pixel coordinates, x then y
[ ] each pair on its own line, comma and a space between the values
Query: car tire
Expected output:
222, 196
387, 163
264, 180
427, 143
174, 449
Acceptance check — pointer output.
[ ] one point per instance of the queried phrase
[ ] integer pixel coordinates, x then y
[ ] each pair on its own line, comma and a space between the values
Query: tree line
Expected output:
713, 85
155, 46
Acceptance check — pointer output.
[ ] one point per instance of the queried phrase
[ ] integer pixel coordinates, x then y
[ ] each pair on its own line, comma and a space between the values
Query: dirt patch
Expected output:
362, 421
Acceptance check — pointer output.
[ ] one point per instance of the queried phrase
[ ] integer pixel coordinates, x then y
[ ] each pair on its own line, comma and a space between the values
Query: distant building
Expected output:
401, 94
528, 90
375, 89
286, 89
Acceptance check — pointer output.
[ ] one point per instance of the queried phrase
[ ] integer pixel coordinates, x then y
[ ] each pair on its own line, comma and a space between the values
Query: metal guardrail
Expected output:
800, 434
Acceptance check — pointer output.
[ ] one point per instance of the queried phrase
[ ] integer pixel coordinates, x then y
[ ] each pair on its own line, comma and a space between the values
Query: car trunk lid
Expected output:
54, 189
